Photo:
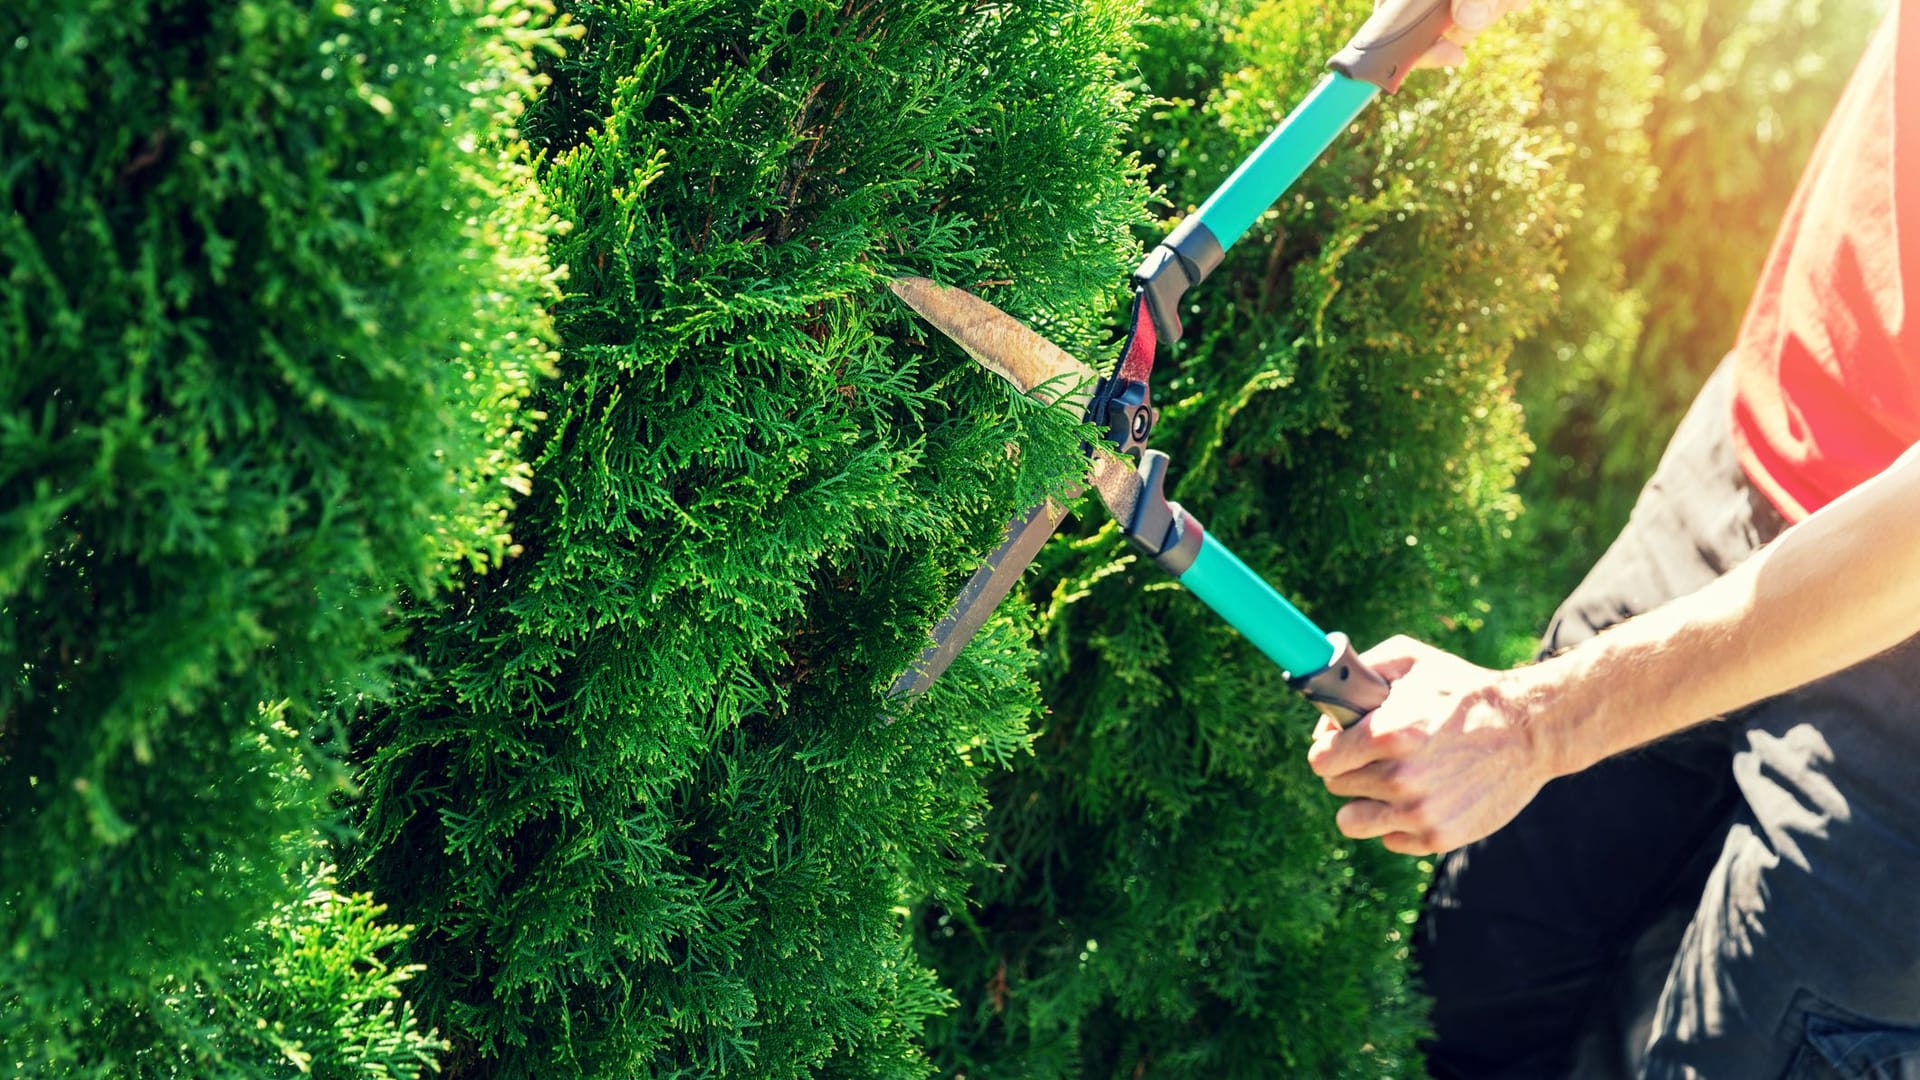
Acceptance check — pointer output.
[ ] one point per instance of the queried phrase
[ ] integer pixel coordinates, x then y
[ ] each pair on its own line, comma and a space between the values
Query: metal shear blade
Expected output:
1044, 371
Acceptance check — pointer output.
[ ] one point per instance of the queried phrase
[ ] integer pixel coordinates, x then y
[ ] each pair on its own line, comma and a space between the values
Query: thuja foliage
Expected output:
275, 277
1690, 123
311, 989
1175, 899
654, 814
1747, 90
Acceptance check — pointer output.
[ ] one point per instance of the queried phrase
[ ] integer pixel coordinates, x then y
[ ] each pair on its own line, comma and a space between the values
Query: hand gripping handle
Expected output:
1399, 33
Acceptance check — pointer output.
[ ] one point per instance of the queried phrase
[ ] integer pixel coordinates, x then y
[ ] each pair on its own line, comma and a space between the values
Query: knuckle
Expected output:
1398, 741
1319, 761
1393, 782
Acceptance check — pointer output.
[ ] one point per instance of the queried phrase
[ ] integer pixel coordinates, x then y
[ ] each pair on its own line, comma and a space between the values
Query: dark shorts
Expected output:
1741, 900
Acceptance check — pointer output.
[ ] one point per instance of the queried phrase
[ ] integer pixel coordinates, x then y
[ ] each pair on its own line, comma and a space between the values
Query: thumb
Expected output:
1473, 16
1444, 54
1394, 657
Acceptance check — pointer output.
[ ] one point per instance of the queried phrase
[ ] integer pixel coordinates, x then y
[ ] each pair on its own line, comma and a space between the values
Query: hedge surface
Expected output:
653, 814
276, 290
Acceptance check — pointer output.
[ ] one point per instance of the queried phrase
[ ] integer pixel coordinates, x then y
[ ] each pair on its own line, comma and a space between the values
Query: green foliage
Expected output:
1600, 78
311, 987
306, 991
653, 814
1748, 88
1176, 900
276, 278
275, 286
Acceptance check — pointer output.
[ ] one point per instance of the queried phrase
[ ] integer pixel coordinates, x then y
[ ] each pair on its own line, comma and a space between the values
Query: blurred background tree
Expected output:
1690, 126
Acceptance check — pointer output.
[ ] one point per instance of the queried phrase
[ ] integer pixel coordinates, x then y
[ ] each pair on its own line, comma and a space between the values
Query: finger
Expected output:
1394, 657
1366, 819
1325, 728
1378, 781
1444, 54
1343, 751
1401, 843
1472, 16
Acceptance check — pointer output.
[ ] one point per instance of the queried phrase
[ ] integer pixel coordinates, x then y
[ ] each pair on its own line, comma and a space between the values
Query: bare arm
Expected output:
1457, 750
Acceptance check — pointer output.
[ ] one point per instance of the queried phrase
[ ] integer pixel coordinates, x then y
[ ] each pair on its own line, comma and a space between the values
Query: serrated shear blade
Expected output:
1001, 343
989, 585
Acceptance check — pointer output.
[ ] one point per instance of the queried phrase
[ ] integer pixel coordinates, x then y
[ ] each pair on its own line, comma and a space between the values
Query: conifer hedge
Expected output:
1175, 899
275, 286
653, 814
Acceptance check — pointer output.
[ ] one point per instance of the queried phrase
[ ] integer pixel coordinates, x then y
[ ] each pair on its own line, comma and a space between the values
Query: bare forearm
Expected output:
1456, 751
1836, 589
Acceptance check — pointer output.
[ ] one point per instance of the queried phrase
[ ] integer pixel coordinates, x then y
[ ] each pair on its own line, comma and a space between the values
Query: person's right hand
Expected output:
1469, 18
1452, 755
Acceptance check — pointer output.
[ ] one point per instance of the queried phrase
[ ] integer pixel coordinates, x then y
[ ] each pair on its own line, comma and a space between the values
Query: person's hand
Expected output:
1448, 758
1469, 18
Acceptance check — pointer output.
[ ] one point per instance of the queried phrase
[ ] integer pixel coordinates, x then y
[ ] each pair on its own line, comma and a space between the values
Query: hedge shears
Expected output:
1129, 478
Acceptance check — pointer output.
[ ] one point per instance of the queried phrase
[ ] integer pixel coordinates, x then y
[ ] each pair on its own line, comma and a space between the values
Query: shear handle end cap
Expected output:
1397, 35
1346, 689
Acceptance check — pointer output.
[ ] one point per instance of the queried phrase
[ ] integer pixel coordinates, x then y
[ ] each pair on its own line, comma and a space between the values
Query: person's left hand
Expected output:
1470, 17
1448, 758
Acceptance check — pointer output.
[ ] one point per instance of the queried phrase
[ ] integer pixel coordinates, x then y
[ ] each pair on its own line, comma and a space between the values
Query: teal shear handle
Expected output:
1377, 59
1244, 599
1322, 666
1272, 168
1337, 682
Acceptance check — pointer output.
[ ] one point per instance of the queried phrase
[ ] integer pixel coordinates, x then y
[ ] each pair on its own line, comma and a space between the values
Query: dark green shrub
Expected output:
1175, 900
651, 815
275, 284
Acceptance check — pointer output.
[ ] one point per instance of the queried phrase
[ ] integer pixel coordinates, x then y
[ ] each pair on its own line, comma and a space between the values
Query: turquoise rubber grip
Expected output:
1245, 600
1279, 161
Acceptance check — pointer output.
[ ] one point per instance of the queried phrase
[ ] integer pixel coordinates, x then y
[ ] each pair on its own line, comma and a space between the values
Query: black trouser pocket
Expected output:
1855, 1049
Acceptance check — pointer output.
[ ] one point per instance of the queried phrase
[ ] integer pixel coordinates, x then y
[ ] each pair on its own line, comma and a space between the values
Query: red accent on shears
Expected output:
1137, 365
